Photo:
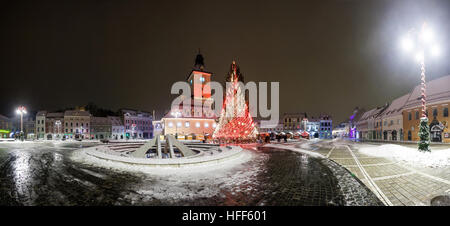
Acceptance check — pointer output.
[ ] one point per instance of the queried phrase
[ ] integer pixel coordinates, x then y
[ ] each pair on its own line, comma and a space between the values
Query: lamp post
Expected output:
422, 42
58, 124
176, 114
21, 111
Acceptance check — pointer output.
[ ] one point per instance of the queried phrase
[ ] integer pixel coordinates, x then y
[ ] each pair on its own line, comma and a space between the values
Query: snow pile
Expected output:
411, 156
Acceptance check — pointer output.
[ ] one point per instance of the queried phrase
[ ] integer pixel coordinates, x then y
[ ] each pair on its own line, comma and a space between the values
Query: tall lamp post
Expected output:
21, 111
58, 125
421, 41
176, 114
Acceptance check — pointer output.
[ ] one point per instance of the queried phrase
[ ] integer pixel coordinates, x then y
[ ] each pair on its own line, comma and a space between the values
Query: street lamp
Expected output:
422, 42
21, 111
58, 124
176, 114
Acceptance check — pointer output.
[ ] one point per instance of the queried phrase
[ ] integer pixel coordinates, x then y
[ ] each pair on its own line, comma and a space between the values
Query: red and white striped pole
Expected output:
423, 88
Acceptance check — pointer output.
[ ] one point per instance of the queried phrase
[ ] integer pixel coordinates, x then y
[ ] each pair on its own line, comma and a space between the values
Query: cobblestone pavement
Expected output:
394, 183
44, 174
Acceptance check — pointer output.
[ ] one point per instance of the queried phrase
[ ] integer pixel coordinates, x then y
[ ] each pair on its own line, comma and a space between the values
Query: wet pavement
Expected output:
46, 174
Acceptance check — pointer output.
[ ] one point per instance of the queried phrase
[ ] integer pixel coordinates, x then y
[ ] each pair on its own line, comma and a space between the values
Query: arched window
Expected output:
435, 112
445, 113
409, 135
409, 116
417, 114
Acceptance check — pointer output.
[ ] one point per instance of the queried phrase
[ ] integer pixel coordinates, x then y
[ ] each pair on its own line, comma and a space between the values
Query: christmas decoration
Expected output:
424, 135
235, 125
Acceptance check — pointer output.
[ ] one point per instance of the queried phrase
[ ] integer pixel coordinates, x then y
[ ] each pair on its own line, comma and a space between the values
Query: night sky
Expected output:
329, 56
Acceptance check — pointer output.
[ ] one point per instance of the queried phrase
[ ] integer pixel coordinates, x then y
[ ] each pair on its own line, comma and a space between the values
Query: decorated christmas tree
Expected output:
235, 125
424, 135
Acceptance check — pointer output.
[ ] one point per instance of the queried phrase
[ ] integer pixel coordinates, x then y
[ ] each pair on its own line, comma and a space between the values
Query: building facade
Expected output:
100, 128
54, 125
138, 124
29, 128
392, 119
40, 125
326, 127
341, 130
117, 128
6, 127
438, 100
292, 122
77, 124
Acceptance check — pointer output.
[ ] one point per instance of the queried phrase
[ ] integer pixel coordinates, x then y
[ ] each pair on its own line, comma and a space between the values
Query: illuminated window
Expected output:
186, 124
197, 124
202, 79
170, 124
178, 124
214, 125
206, 125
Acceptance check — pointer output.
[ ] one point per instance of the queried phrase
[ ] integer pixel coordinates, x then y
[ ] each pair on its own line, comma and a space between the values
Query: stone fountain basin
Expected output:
201, 158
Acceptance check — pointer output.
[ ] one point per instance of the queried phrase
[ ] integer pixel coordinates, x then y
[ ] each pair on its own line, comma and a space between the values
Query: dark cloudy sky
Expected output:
329, 56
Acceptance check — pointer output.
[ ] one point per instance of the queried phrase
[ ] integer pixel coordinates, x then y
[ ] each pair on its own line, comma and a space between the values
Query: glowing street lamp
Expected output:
421, 43
176, 114
21, 111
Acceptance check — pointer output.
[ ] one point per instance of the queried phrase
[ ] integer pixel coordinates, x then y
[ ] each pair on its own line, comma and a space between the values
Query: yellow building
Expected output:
438, 100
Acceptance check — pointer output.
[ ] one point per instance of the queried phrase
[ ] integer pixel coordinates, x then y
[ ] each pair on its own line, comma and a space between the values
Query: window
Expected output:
214, 125
445, 113
435, 112
206, 125
186, 124
178, 124
170, 124
417, 114
409, 115
197, 124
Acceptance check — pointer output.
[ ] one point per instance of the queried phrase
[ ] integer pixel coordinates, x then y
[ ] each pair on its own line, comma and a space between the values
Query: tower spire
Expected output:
199, 62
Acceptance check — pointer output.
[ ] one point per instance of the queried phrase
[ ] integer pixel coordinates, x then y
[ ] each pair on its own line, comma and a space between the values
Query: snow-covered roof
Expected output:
367, 115
115, 121
396, 107
4, 118
76, 113
437, 90
55, 115
41, 113
100, 121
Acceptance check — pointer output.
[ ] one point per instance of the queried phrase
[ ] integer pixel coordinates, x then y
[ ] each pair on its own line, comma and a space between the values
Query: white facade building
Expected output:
117, 128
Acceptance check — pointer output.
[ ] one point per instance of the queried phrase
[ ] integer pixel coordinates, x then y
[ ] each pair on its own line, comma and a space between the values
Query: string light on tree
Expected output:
235, 123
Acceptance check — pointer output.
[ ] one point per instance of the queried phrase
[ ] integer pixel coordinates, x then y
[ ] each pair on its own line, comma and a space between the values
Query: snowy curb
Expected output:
226, 154
313, 154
